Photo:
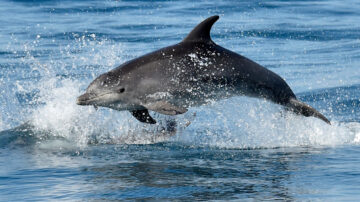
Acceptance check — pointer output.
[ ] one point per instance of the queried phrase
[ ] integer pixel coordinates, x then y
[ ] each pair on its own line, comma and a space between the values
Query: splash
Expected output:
51, 111
237, 123
250, 123
60, 116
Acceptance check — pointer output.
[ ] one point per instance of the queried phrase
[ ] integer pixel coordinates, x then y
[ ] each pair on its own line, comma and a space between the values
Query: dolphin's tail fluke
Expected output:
305, 110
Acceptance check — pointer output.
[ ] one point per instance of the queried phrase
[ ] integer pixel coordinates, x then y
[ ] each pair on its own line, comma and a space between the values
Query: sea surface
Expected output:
236, 149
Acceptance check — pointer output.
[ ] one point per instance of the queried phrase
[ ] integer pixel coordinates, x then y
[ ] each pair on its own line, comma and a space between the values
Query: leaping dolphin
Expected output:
190, 73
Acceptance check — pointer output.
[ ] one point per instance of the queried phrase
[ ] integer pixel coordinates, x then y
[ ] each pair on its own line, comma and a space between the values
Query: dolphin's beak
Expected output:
84, 99
91, 98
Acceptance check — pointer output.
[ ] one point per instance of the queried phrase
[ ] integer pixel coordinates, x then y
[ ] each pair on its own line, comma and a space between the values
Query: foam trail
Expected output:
249, 123
238, 123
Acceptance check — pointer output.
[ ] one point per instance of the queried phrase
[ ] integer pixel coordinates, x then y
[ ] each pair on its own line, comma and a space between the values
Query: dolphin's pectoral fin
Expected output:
143, 116
166, 108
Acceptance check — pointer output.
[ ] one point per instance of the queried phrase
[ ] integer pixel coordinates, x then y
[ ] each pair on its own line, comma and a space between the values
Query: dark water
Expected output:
236, 149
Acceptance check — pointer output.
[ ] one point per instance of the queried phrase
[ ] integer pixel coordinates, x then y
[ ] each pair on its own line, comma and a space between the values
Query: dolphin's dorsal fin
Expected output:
202, 31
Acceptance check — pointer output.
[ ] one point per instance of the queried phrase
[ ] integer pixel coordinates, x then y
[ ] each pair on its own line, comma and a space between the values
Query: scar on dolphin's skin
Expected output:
190, 73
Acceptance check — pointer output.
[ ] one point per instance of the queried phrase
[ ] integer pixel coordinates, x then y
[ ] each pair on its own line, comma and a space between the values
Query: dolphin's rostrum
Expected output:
190, 73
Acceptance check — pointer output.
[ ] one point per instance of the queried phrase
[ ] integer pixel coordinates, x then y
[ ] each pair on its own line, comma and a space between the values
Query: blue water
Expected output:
236, 149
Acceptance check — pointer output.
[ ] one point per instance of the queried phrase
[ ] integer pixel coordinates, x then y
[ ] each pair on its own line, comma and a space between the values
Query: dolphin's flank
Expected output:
190, 73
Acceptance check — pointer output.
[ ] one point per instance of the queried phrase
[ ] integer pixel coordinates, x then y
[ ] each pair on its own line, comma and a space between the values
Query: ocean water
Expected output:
236, 149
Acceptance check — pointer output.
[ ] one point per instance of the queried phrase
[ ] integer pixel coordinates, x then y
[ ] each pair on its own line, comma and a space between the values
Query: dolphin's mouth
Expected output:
89, 98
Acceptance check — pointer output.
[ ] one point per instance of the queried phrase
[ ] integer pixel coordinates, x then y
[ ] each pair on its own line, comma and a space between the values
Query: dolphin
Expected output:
191, 73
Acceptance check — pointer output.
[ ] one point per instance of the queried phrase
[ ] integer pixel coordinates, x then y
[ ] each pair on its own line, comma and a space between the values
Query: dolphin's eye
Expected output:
121, 90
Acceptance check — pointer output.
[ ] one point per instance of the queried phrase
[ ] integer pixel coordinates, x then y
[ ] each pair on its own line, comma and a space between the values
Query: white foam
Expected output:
238, 122
250, 123
60, 116
234, 123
